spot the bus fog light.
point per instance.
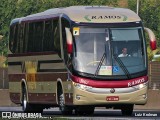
(144, 96)
(78, 97)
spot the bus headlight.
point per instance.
(82, 87)
(140, 86)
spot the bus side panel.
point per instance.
(15, 87)
(42, 98)
(40, 73)
(68, 92)
(43, 90)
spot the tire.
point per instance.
(26, 107)
(127, 110)
(84, 110)
(65, 110)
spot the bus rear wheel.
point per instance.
(26, 107)
(127, 110)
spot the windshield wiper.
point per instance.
(125, 70)
(99, 65)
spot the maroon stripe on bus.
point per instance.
(68, 98)
(31, 54)
(37, 98)
(45, 98)
(16, 77)
(15, 97)
(49, 98)
(109, 83)
(40, 77)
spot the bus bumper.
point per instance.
(84, 97)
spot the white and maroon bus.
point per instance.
(72, 58)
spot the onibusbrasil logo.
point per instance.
(109, 17)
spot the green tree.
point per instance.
(9, 9)
(149, 12)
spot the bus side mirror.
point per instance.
(152, 38)
(69, 41)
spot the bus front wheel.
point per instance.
(65, 110)
(127, 110)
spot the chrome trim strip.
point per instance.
(117, 90)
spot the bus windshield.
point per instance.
(109, 51)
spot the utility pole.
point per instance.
(2, 57)
(1, 37)
(137, 7)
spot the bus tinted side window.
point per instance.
(25, 42)
(42, 36)
(38, 37)
(57, 37)
(18, 39)
(30, 38)
(35, 37)
(13, 38)
(21, 38)
(48, 41)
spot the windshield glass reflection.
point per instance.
(93, 43)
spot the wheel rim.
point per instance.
(61, 102)
(65, 110)
(24, 101)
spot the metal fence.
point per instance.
(153, 73)
(4, 78)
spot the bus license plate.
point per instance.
(112, 98)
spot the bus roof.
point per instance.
(15, 21)
(90, 14)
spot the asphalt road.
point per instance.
(99, 114)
